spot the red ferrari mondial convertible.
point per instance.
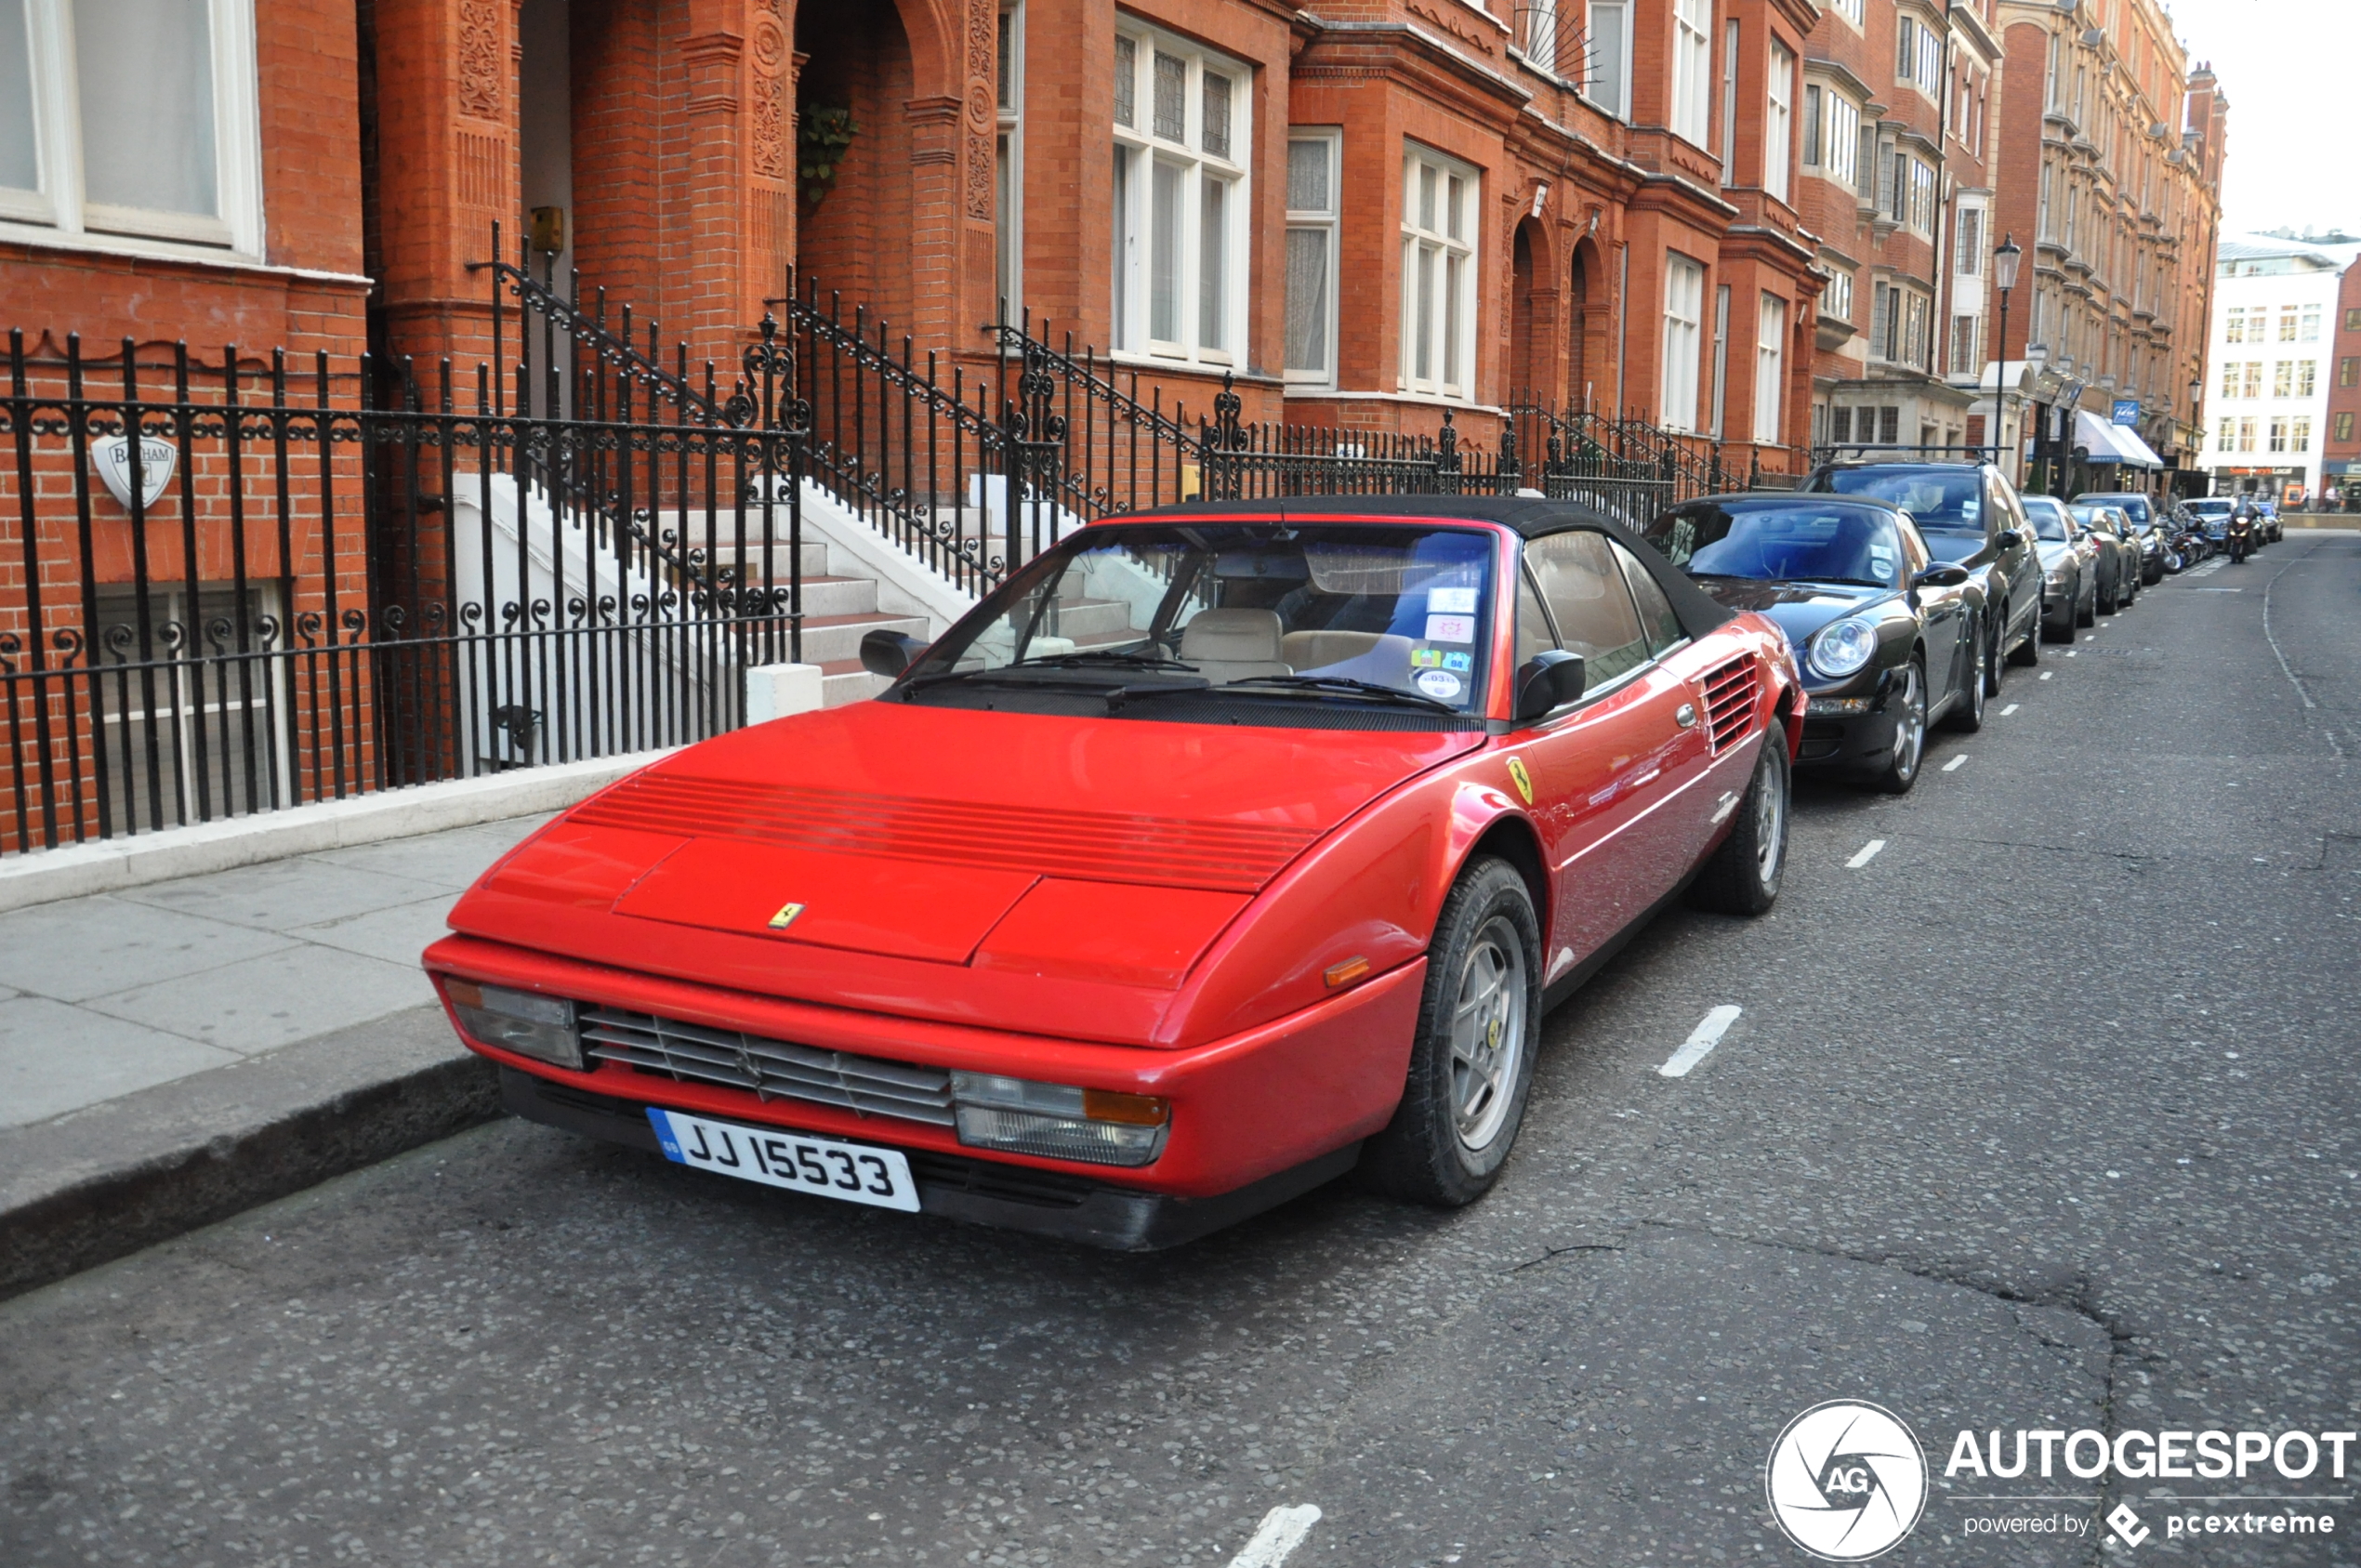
(1222, 849)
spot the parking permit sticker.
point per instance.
(1458, 661)
(1440, 684)
(1428, 658)
(1451, 602)
(1450, 628)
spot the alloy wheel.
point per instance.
(1770, 833)
(1488, 1035)
(1910, 729)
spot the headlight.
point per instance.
(1058, 1121)
(1842, 649)
(540, 1027)
(2055, 575)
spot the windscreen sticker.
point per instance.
(1440, 684)
(1451, 602)
(1427, 658)
(1458, 660)
(1450, 628)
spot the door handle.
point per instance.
(1685, 716)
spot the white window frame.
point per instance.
(1684, 340)
(1610, 63)
(1837, 303)
(1328, 224)
(59, 213)
(1008, 164)
(1433, 314)
(1692, 73)
(1730, 102)
(1134, 234)
(1848, 9)
(1779, 127)
(1770, 367)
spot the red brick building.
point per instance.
(1364, 216)
(1901, 99)
(2340, 469)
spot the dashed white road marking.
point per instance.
(1953, 765)
(2069, 654)
(1868, 852)
(2010, 710)
(1699, 1045)
(2048, 673)
(1282, 1531)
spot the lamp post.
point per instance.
(2004, 277)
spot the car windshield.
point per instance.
(2090, 517)
(1390, 618)
(1804, 538)
(2049, 519)
(1948, 497)
(2211, 508)
(2133, 507)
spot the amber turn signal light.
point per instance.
(1346, 972)
(1132, 1109)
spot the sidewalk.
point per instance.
(177, 1051)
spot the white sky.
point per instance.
(2288, 70)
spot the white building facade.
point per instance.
(2268, 366)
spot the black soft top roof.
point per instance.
(1529, 515)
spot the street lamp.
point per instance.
(2004, 276)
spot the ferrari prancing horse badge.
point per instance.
(1517, 775)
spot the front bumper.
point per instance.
(1245, 1109)
(1846, 742)
(1056, 1203)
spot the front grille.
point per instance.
(1729, 702)
(865, 1085)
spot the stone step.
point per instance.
(839, 596)
(830, 637)
(843, 681)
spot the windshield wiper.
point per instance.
(1258, 686)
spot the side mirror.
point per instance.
(890, 652)
(2009, 539)
(1941, 577)
(1551, 680)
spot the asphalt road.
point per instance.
(2044, 1117)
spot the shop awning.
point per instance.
(2112, 443)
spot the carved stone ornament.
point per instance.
(479, 57)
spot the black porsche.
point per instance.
(1885, 634)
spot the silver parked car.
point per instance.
(2069, 567)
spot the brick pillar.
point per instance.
(447, 119)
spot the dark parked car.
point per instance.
(2069, 568)
(2122, 558)
(2147, 525)
(2211, 513)
(1970, 515)
(1885, 634)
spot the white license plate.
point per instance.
(854, 1172)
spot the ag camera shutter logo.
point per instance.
(1847, 1481)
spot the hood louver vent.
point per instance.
(1089, 845)
(1729, 703)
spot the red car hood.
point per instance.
(1052, 875)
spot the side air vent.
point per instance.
(1729, 703)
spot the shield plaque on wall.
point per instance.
(112, 457)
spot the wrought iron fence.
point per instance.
(240, 584)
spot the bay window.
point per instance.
(1684, 340)
(1441, 202)
(1182, 149)
(1770, 367)
(134, 118)
(1691, 70)
(1311, 256)
(1777, 129)
(1610, 75)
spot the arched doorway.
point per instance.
(1588, 313)
(854, 228)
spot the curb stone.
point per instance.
(100, 1183)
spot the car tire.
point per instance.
(1743, 877)
(2089, 616)
(1471, 1062)
(1901, 770)
(1967, 714)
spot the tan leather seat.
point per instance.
(1383, 657)
(1229, 645)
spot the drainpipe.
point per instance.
(1940, 328)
